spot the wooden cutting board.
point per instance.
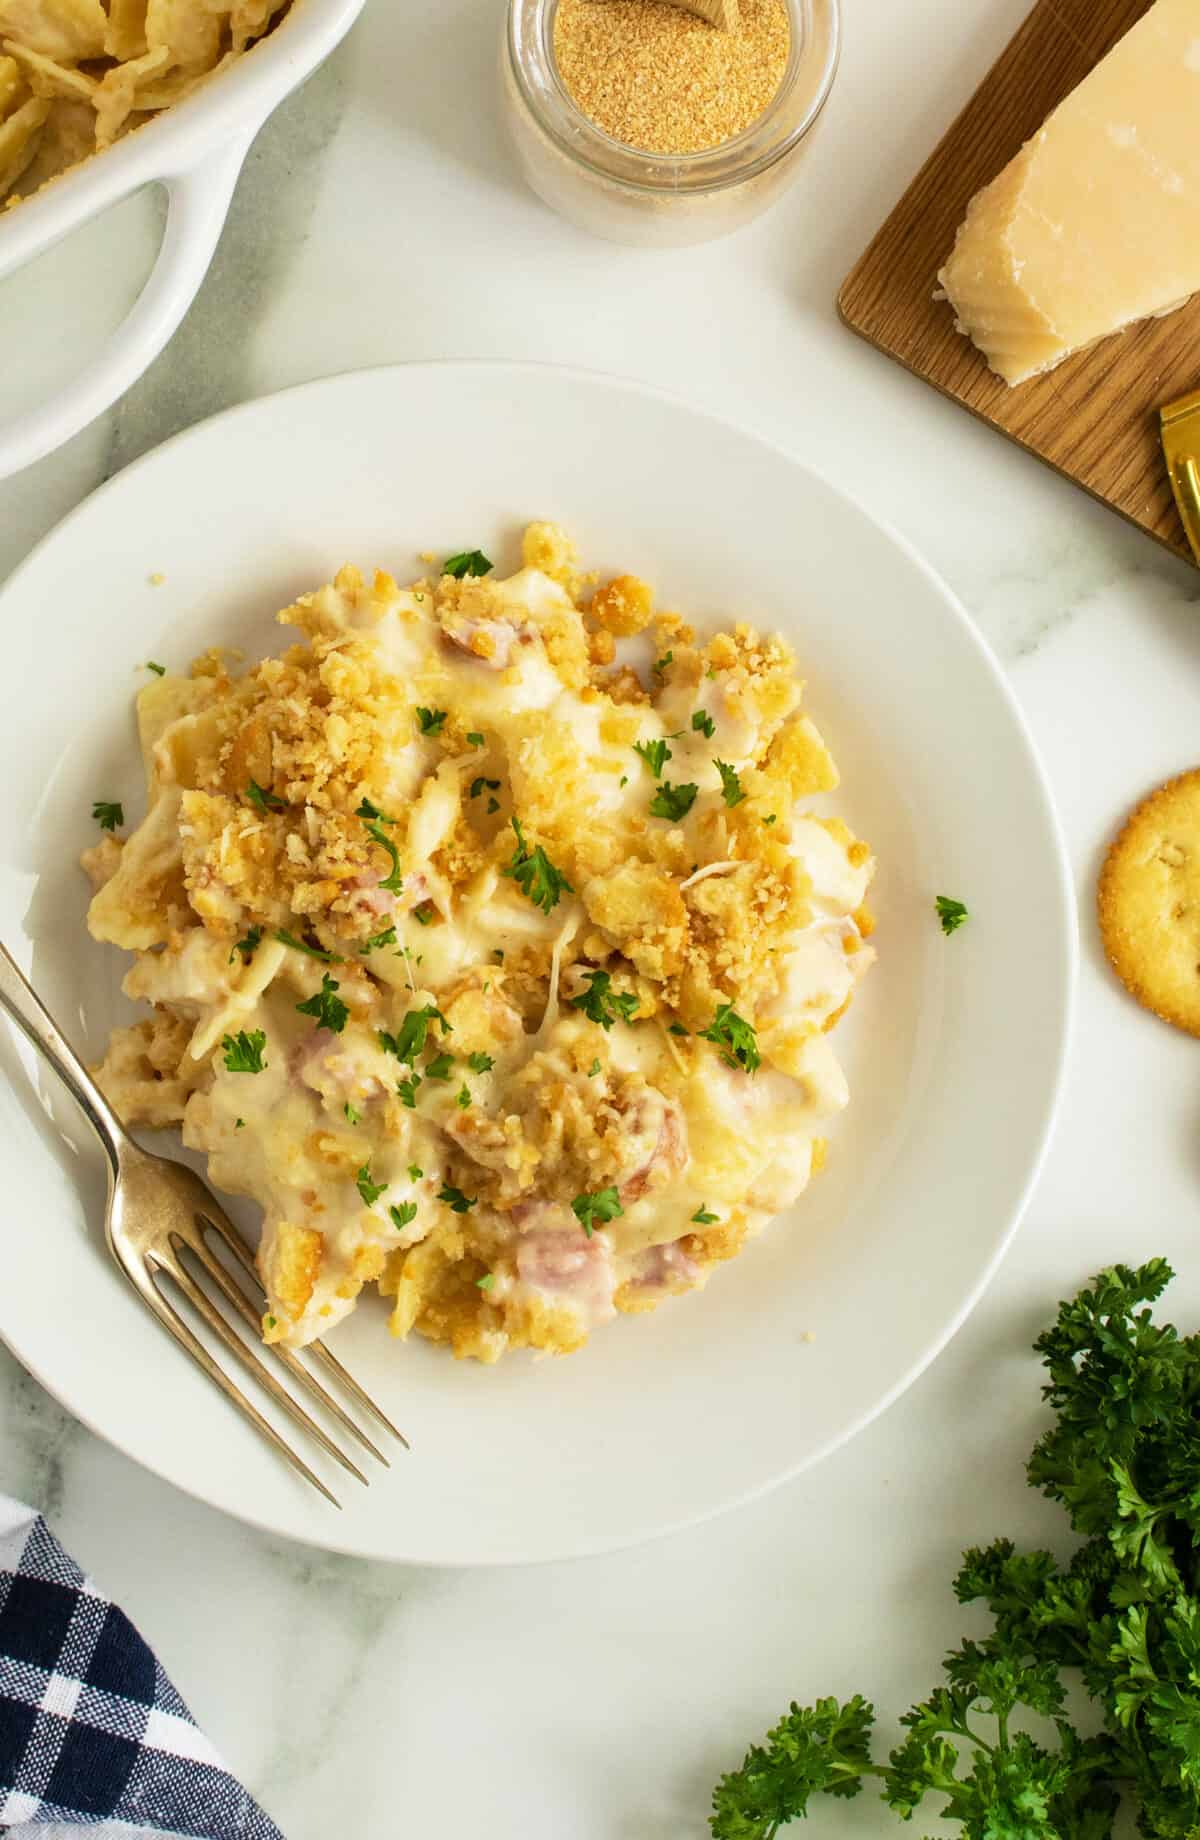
(1095, 418)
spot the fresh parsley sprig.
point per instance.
(301, 945)
(534, 873)
(368, 1189)
(1123, 1615)
(374, 820)
(951, 913)
(673, 802)
(735, 1037)
(413, 1033)
(655, 754)
(731, 785)
(108, 813)
(247, 944)
(262, 798)
(244, 1052)
(467, 562)
(595, 1209)
(326, 1006)
(601, 1003)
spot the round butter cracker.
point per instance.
(1148, 899)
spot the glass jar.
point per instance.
(630, 196)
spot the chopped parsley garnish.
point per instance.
(655, 754)
(486, 1282)
(498, 955)
(244, 1053)
(703, 724)
(413, 1033)
(594, 1069)
(771, 819)
(239, 1124)
(414, 1172)
(373, 944)
(423, 915)
(431, 720)
(660, 664)
(951, 913)
(408, 1091)
(374, 819)
(108, 813)
(677, 1028)
(329, 1010)
(246, 944)
(589, 1210)
(464, 1096)
(480, 1063)
(455, 1200)
(439, 1067)
(601, 1003)
(535, 875)
(271, 1320)
(624, 780)
(703, 1218)
(160, 670)
(403, 1215)
(370, 1191)
(475, 739)
(731, 785)
(262, 798)
(353, 1115)
(467, 562)
(735, 1038)
(301, 945)
(492, 805)
(673, 801)
(477, 786)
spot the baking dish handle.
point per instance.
(198, 202)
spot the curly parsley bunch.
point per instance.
(1123, 1458)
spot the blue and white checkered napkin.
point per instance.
(92, 1733)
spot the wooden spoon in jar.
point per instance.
(723, 14)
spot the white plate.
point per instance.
(954, 1050)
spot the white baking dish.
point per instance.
(195, 150)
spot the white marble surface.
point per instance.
(379, 218)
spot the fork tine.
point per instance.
(172, 1321)
(236, 1297)
(219, 1221)
(237, 1347)
(216, 1218)
(319, 1351)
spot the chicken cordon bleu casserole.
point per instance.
(500, 973)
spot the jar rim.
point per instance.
(786, 120)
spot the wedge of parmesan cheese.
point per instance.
(1096, 222)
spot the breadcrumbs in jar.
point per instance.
(641, 122)
(663, 80)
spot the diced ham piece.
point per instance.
(664, 1268)
(562, 1262)
(486, 642)
(656, 1141)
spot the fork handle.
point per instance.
(26, 1009)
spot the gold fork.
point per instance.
(157, 1221)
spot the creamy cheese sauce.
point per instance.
(446, 994)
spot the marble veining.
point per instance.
(379, 218)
